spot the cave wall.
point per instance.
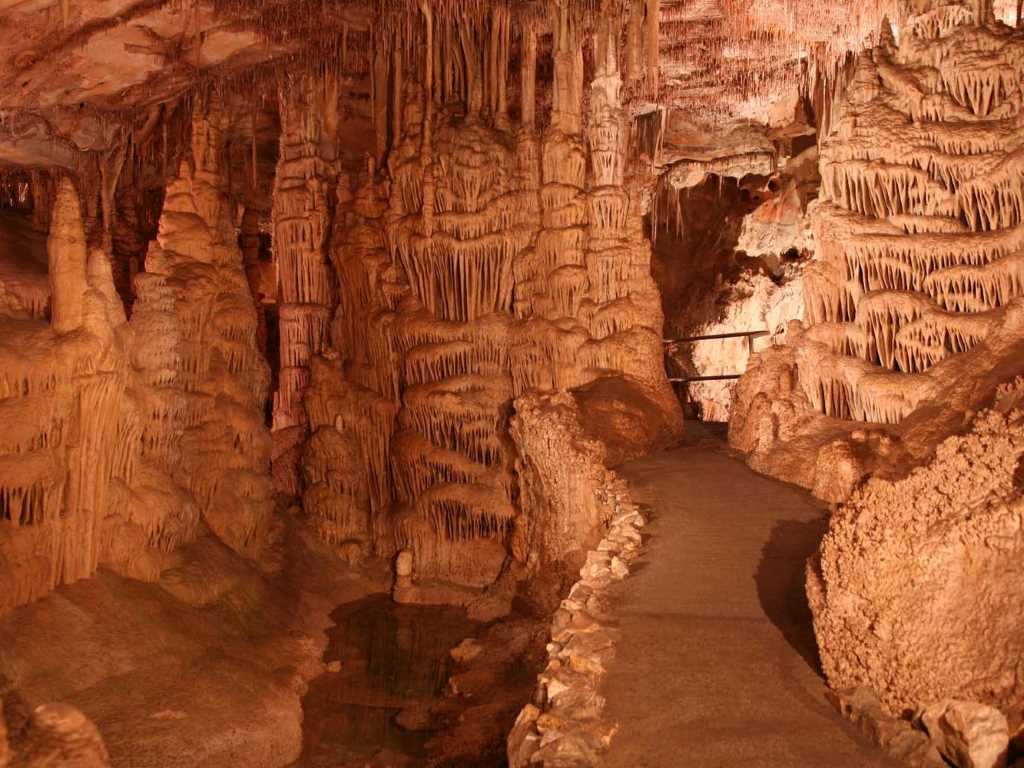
(913, 299)
(502, 252)
(127, 438)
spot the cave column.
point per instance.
(622, 307)
(652, 30)
(502, 15)
(634, 40)
(567, 96)
(301, 222)
(553, 280)
(396, 95)
(380, 96)
(426, 146)
(528, 90)
(474, 85)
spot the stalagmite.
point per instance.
(67, 253)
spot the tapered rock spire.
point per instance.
(67, 260)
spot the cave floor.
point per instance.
(717, 664)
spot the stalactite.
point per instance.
(567, 87)
(921, 226)
(652, 45)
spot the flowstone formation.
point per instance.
(499, 258)
(122, 435)
(918, 229)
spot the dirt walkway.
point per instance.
(716, 665)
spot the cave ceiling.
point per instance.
(75, 73)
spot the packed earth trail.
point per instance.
(716, 663)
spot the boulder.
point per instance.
(915, 591)
(968, 734)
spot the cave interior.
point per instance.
(530, 383)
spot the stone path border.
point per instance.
(563, 727)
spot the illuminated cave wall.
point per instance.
(919, 226)
(121, 436)
(502, 252)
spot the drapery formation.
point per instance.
(502, 252)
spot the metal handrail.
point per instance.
(737, 334)
(708, 378)
(750, 336)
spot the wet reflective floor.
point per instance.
(392, 657)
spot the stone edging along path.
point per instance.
(563, 727)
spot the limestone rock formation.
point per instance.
(498, 260)
(124, 432)
(224, 443)
(913, 592)
(294, 292)
(968, 734)
(916, 232)
(59, 735)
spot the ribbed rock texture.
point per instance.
(917, 229)
(501, 258)
(120, 436)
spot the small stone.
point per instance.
(467, 650)
(896, 736)
(967, 733)
(403, 568)
(523, 740)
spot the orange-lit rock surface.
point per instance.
(304, 301)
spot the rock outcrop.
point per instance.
(122, 434)
(917, 230)
(914, 593)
